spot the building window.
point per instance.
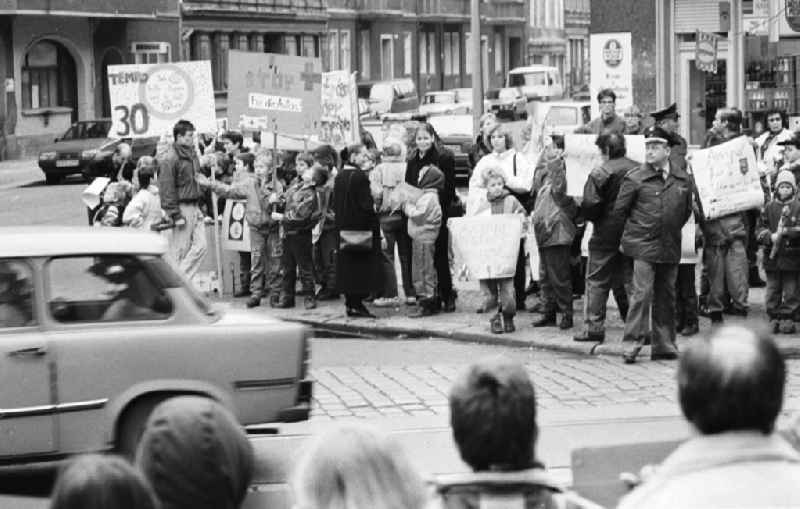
(48, 75)
(407, 53)
(290, 46)
(498, 52)
(423, 54)
(365, 54)
(344, 49)
(333, 50)
(150, 52)
(387, 56)
(432, 57)
(310, 46)
(448, 55)
(452, 54)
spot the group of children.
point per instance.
(133, 203)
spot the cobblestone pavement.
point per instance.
(419, 386)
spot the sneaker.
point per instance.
(508, 323)
(310, 302)
(566, 322)
(386, 302)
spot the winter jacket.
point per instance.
(108, 214)
(505, 203)
(654, 212)
(144, 209)
(326, 203)
(599, 197)
(788, 257)
(554, 214)
(443, 159)
(768, 152)
(425, 216)
(599, 125)
(517, 169)
(256, 192)
(176, 179)
(739, 469)
(303, 209)
(382, 181)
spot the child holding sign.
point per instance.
(498, 201)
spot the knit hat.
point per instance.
(195, 455)
(432, 178)
(786, 177)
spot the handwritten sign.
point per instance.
(488, 245)
(581, 156)
(727, 178)
(339, 109)
(148, 99)
(235, 230)
(267, 87)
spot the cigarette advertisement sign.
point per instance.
(611, 67)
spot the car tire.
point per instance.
(51, 179)
(132, 422)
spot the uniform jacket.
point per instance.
(251, 187)
(425, 216)
(654, 211)
(303, 209)
(735, 469)
(554, 213)
(144, 209)
(599, 196)
(615, 124)
(788, 257)
(176, 178)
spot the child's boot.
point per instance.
(310, 302)
(566, 321)
(508, 323)
(496, 324)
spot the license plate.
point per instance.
(66, 163)
(454, 148)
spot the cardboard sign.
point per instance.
(488, 245)
(727, 178)
(148, 99)
(611, 67)
(339, 109)
(266, 88)
(581, 156)
(235, 230)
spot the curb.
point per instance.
(19, 183)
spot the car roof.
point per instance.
(579, 104)
(532, 68)
(34, 241)
(437, 92)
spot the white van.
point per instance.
(537, 82)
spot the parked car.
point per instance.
(538, 82)
(97, 162)
(392, 96)
(457, 135)
(96, 328)
(447, 102)
(507, 102)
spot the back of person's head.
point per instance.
(350, 152)
(181, 128)
(431, 177)
(732, 381)
(319, 175)
(558, 140)
(326, 156)
(731, 119)
(196, 455)
(234, 137)
(248, 159)
(146, 162)
(611, 144)
(145, 176)
(352, 466)
(493, 416)
(392, 149)
(367, 139)
(102, 482)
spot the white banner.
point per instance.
(339, 109)
(235, 230)
(488, 245)
(611, 67)
(148, 99)
(581, 156)
(727, 178)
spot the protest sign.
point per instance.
(266, 88)
(235, 230)
(611, 67)
(148, 99)
(339, 109)
(488, 245)
(581, 156)
(727, 178)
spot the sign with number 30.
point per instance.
(148, 99)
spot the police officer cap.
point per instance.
(655, 134)
(670, 111)
(794, 141)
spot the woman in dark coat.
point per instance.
(430, 151)
(357, 273)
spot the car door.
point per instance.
(27, 420)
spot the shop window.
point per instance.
(365, 54)
(407, 53)
(387, 56)
(150, 52)
(48, 77)
(498, 52)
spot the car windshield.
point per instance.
(439, 99)
(86, 130)
(562, 115)
(529, 79)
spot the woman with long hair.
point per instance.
(430, 151)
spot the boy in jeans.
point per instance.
(498, 201)
(782, 268)
(424, 222)
(302, 212)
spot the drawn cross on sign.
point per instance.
(309, 77)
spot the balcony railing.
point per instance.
(257, 6)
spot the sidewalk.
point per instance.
(466, 325)
(19, 172)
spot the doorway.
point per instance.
(112, 56)
(707, 94)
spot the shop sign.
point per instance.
(793, 14)
(706, 52)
